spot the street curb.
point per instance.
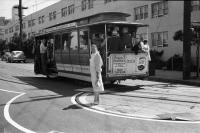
(185, 82)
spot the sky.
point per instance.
(33, 6)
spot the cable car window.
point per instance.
(73, 41)
(83, 41)
(57, 42)
(65, 42)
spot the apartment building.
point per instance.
(163, 17)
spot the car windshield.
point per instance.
(7, 53)
(17, 52)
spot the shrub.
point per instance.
(175, 63)
(156, 59)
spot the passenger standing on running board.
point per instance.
(43, 53)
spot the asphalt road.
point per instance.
(32, 103)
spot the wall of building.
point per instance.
(171, 22)
(1, 33)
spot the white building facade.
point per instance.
(163, 17)
(15, 15)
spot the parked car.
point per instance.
(17, 56)
(5, 56)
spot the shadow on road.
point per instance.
(72, 107)
(66, 87)
(62, 86)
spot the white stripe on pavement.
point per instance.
(112, 113)
(7, 114)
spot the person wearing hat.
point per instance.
(114, 42)
(126, 38)
(146, 48)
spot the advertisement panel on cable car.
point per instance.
(127, 64)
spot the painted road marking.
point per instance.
(7, 114)
(55, 131)
(112, 113)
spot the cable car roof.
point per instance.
(106, 18)
(118, 23)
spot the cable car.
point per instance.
(71, 42)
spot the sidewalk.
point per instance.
(174, 77)
(138, 99)
(142, 99)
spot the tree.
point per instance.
(2, 46)
(15, 42)
(28, 46)
(178, 36)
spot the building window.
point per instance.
(6, 31)
(159, 39)
(43, 19)
(195, 5)
(24, 25)
(71, 9)
(165, 39)
(50, 16)
(64, 12)
(159, 9)
(29, 35)
(90, 4)
(107, 1)
(141, 12)
(54, 15)
(29, 23)
(33, 22)
(83, 5)
(87, 4)
(16, 27)
(10, 29)
(39, 20)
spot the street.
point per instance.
(32, 103)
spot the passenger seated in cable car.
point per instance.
(97, 40)
(114, 42)
(126, 39)
(137, 48)
(43, 54)
(51, 64)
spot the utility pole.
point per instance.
(20, 24)
(20, 8)
(186, 40)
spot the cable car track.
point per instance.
(145, 93)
